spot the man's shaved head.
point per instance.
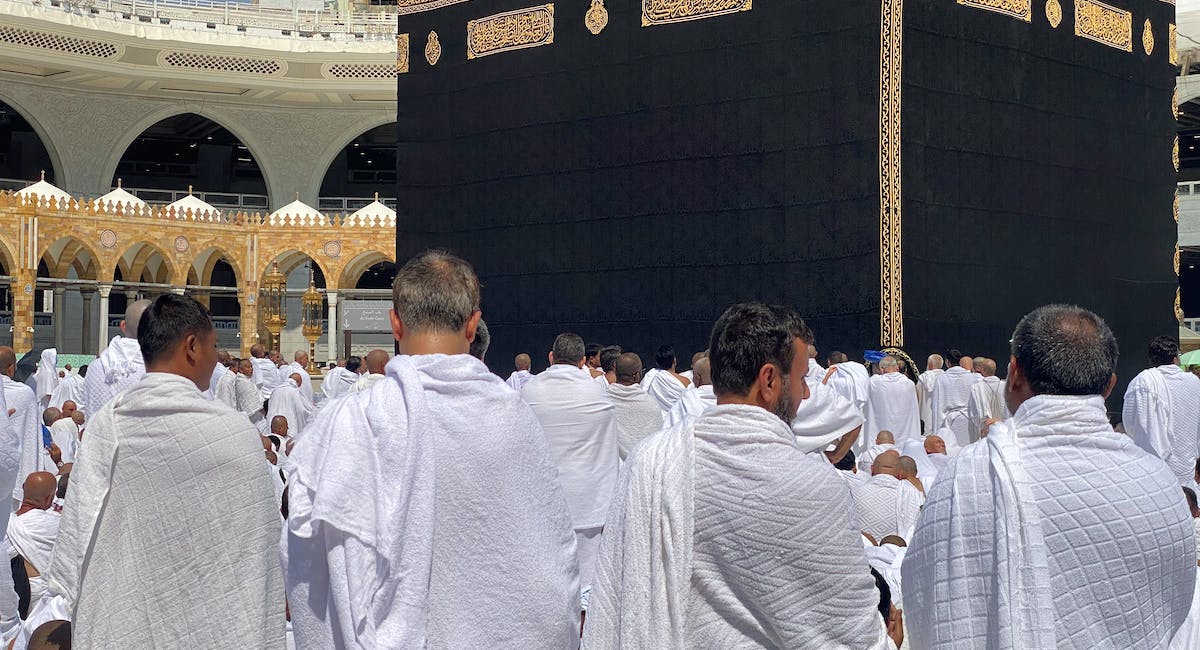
(907, 466)
(886, 463)
(376, 361)
(8, 360)
(812, 351)
(51, 415)
(698, 356)
(51, 635)
(935, 362)
(279, 425)
(224, 358)
(68, 408)
(935, 445)
(78, 418)
(246, 367)
(885, 438)
(985, 367)
(523, 362)
(39, 489)
(133, 317)
(258, 350)
(628, 369)
(702, 372)
(966, 363)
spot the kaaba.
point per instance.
(914, 174)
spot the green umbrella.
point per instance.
(1190, 359)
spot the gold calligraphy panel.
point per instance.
(1021, 9)
(401, 53)
(1104, 24)
(1173, 43)
(512, 30)
(662, 12)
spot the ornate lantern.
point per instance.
(273, 303)
(311, 310)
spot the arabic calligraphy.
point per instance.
(662, 12)
(513, 30)
(1104, 24)
(1020, 9)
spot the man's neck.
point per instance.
(434, 343)
(26, 506)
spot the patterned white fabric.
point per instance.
(19, 397)
(337, 382)
(985, 402)
(379, 559)
(948, 407)
(65, 435)
(690, 405)
(687, 562)
(1188, 636)
(518, 379)
(364, 382)
(892, 406)
(581, 428)
(306, 388)
(1162, 415)
(266, 376)
(638, 415)
(24, 435)
(664, 387)
(116, 370)
(868, 457)
(885, 505)
(286, 400)
(852, 381)
(1052, 532)
(823, 418)
(193, 572)
(925, 396)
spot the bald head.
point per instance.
(51, 635)
(812, 351)
(133, 317)
(279, 425)
(885, 437)
(985, 367)
(935, 362)
(377, 360)
(8, 361)
(523, 362)
(78, 418)
(966, 363)
(51, 415)
(628, 369)
(887, 463)
(300, 357)
(246, 367)
(698, 356)
(907, 466)
(258, 350)
(39, 489)
(224, 358)
(935, 445)
(702, 372)
(68, 408)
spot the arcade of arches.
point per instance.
(55, 256)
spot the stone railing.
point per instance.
(96, 207)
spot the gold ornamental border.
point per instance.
(665, 12)
(1104, 24)
(401, 53)
(891, 278)
(1019, 9)
(511, 30)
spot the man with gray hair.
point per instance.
(119, 366)
(949, 400)
(892, 404)
(483, 339)
(457, 534)
(1005, 553)
(638, 414)
(934, 367)
(986, 401)
(581, 427)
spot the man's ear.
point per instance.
(1112, 382)
(397, 325)
(473, 325)
(550, 357)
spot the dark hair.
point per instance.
(608, 357)
(665, 357)
(885, 596)
(592, 349)
(1065, 350)
(1163, 350)
(64, 481)
(794, 323)
(167, 322)
(846, 463)
(568, 348)
(744, 339)
(1190, 495)
(836, 357)
(83, 370)
(353, 363)
(275, 441)
(483, 339)
(435, 292)
(954, 356)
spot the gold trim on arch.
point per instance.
(891, 289)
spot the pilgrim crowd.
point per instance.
(170, 495)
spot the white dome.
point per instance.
(120, 197)
(194, 204)
(45, 191)
(375, 210)
(297, 209)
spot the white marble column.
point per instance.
(332, 325)
(102, 330)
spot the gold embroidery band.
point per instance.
(401, 53)
(1104, 24)
(1021, 9)
(891, 289)
(512, 30)
(662, 12)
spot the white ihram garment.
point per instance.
(65, 435)
(686, 563)
(306, 389)
(868, 457)
(1050, 493)
(32, 536)
(949, 404)
(337, 382)
(1162, 415)
(19, 397)
(925, 397)
(286, 400)
(364, 382)
(690, 405)
(425, 513)
(45, 379)
(218, 546)
(70, 388)
(985, 402)
(118, 368)
(266, 376)
(852, 381)
(664, 387)
(638, 415)
(518, 379)
(825, 417)
(24, 436)
(892, 406)
(886, 506)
